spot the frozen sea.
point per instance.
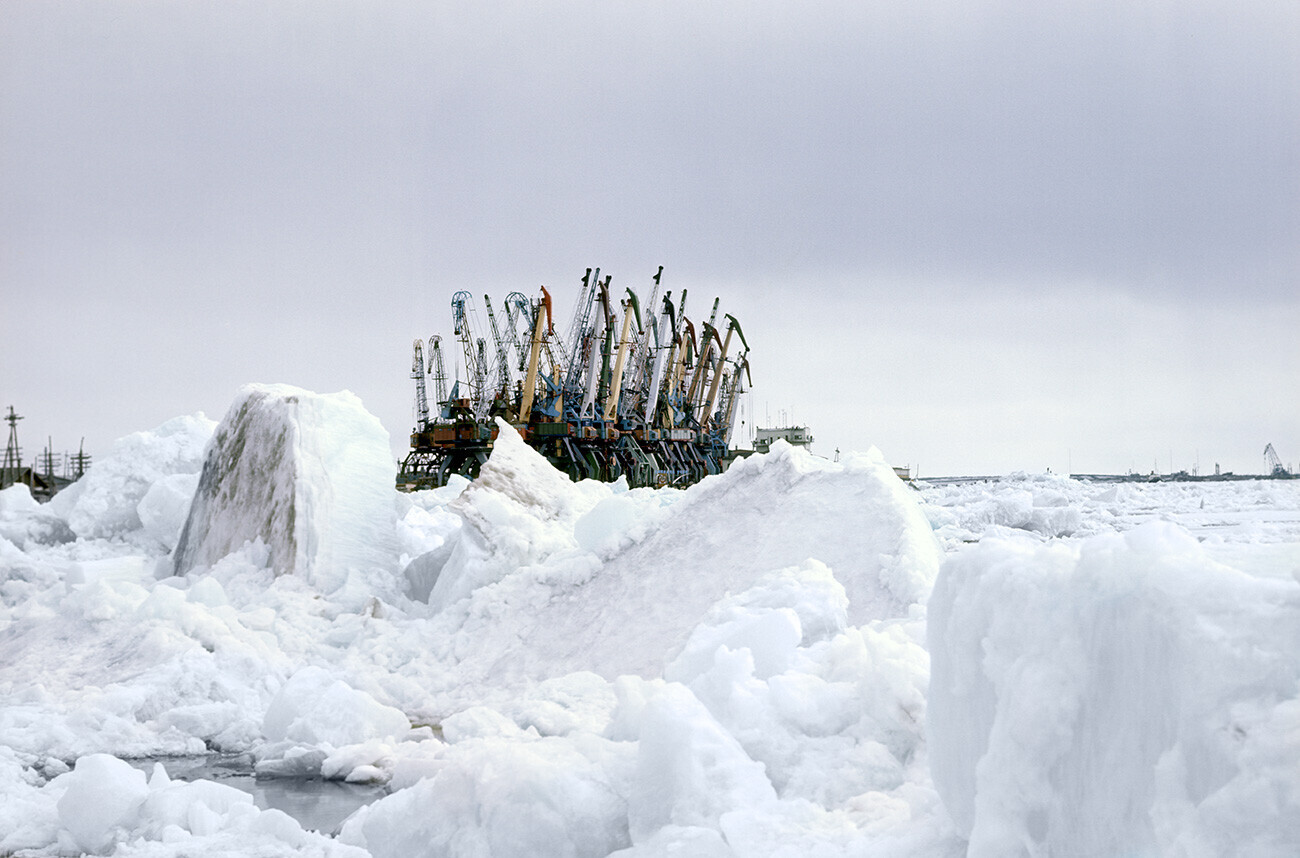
(794, 658)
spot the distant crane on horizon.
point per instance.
(1274, 462)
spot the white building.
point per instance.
(796, 435)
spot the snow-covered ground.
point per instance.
(794, 658)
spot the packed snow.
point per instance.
(796, 657)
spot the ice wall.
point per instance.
(1115, 698)
(310, 475)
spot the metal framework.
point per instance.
(632, 394)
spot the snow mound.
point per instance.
(104, 502)
(519, 511)
(507, 799)
(1128, 695)
(811, 752)
(312, 715)
(104, 794)
(314, 707)
(24, 522)
(310, 476)
(771, 619)
(690, 771)
(831, 712)
(766, 513)
(105, 806)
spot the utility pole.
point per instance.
(13, 453)
(80, 461)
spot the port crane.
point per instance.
(630, 391)
(1274, 462)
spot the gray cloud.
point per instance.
(293, 191)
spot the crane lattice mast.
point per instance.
(437, 370)
(421, 398)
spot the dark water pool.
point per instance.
(316, 804)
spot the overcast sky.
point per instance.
(982, 236)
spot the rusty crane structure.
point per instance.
(631, 389)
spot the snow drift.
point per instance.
(308, 475)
